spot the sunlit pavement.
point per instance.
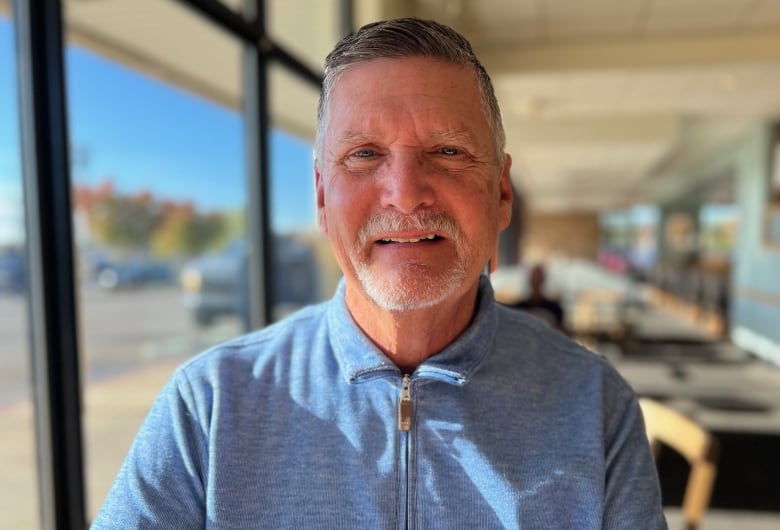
(131, 342)
(119, 404)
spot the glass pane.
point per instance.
(306, 29)
(18, 480)
(306, 271)
(159, 208)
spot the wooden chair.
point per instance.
(666, 426)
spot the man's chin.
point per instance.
(399, 304)
(403, 293)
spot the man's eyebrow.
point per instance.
(356, 137)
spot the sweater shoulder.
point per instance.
(522, 336)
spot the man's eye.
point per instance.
(449, 151)
(364, 153)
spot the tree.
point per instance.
(187, 231)
(142, 223)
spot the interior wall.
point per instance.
(573, 235)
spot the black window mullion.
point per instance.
(231, 22)
(257, 147)
(50, 264)
(346, 17)
(251, 29)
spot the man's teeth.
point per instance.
(412, 240)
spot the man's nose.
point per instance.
(405, 184)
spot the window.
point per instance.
(718, 234)
(305, 269)
(159, 200)
(19, 501)
(160, 207)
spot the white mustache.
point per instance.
(429, 221)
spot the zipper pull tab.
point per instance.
(405, 405)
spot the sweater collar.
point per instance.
(360, 359)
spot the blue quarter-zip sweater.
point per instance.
(306, 424)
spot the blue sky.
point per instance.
(145, 135)
(10, 185)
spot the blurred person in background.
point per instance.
(546, 309)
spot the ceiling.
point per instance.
(605, 102)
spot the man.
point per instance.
(548, 310)
(411, 399)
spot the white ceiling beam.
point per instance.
(366, 11)
(581, 202)
(635, 53)
(594, 130)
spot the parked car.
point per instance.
(216, 284)
(133, 273)
(12, 270)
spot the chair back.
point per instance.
(666, 426)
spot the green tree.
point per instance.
(126, 222)
(185, 231)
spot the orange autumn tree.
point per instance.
(141, 222)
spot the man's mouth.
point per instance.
(429, 237)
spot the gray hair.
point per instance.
(407, 37)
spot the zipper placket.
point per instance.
(405, 404)
(404, 426)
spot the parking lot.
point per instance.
(121, 331)
(131, 341)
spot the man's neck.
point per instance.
(408, 338)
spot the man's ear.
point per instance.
(505, 194)
(319, 187)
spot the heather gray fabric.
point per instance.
(295, 426)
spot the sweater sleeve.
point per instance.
(632, 492)
(161, 483)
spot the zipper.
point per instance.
(405, 404)
(404, 426)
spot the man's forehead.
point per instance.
(354, 136)
(379, 65)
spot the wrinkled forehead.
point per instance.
(430, 69)
(413, 83)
